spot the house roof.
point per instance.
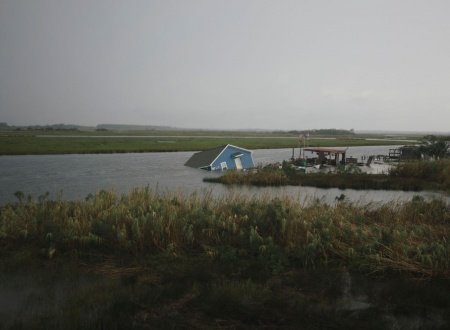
(204, 158)
(207, 157)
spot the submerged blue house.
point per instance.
(227, 157)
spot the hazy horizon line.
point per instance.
(166, 127)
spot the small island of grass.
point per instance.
(414, 176)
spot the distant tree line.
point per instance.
(47, 128)
(324, 131)
(55, 127)
(119, 127)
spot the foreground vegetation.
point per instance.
(67, 142)
(151, 260)
(413, 175)
(145, 222)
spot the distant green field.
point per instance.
(70, 142)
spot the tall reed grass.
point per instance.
(411, 237)
(261, 177)
(436, 171)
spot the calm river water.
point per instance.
(75, 176)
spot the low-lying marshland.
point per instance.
(144, 258)
(414, 175)
(76, 142)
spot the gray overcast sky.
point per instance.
(227, 64)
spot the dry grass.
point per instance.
(410, 237)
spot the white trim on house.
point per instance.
(239, 148)
(237, 155)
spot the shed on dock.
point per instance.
(322, 154)
(226, 157)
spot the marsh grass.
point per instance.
(410, 237)
(412, 176)
(47, 142)
(259, 177)
(437, 171)
(150, 260)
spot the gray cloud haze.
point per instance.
(227, 64)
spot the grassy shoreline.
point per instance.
(148, 260)
(317, 234)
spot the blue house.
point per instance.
(227, 157)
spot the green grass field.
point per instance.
(70, 142)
